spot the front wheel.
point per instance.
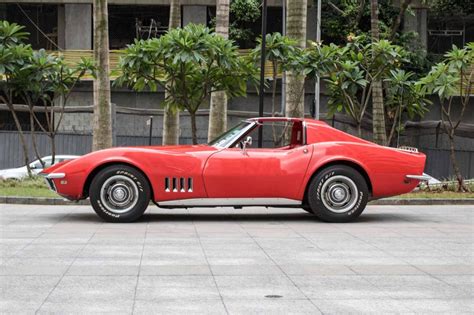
(338, 194)
(119, 193)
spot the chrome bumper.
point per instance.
(419, 177)
(49, 179)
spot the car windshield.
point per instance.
(228, 137)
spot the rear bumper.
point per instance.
(418, 177)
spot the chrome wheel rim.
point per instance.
(339, 194)
(119, 194)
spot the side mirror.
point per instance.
(246, 143)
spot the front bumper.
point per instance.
(49, 179)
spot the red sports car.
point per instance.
(297, 163)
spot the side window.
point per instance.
(276, 134)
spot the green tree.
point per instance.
(282, 52)
(351, 72)
(296, 30)
(378, 113)
(452, 81)
(171, 116)
(13, 55)
(189, 63)
(102, 122)
(404, 99)
(243, 14)
(218, 104)
(46, 79)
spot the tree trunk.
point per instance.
(102, 122)
(171, 117)
(26, 158)
(170, 127)
(378, 113)
(398, 21)
(193, 127)
(296, 30)
(218, 105)
(457, 172)
(33, 138)
(52, 138)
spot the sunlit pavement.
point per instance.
(63, 259)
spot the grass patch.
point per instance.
(29, 187)
(437, 195)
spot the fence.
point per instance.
(438, 162)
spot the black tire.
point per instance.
(338, 193)
(119, 194)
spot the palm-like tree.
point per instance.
(102, 122)
(378, 113)
(171, 116)
(296, 29)
(218, 106)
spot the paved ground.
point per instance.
(394, 259)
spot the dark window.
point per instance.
(127, 22)
(45, 16)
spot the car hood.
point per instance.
(168, 149)
(178, 148)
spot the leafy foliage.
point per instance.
(403, 100)
(243, 15)
(282, 53)
(452, 80)
(189, 63)
(36, 77)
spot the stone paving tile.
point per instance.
(361, 305)
(257, 287)
(398, 259)
(179, 306)
(77, 289)
(270, 306)
(36, 266)
(337, 287)
(24, 294)
(173, 287)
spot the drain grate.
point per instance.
(273, 296)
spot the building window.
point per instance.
(128, 22)
(45, 16)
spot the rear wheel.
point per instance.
(119, 193)
(338, 193)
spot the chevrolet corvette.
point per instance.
(292, 162)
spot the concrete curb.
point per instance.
(421, 202)
(380, 202)
(41, 201)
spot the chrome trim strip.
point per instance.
(304, 132)
(55, 175)
(419, 177)
(203, 202)
(50, 184)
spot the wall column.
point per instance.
(196, 14)
(418, 23)
(75, 26)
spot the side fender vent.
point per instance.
(178, 184)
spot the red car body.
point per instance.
(187, 173)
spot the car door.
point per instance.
(257, 172)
